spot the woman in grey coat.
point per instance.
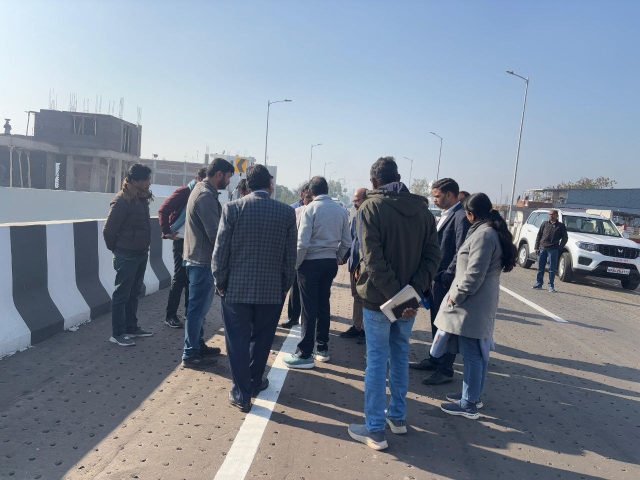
(469, 310)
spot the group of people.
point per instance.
(255, 250)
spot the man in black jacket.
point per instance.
(552, 236)
(452, 231)
(127, 233)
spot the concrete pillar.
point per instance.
(118, 175)
(95, 182)
(69, 174)
(50, 172)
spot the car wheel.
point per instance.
(565, 270)
(523, 256)
(629, 285)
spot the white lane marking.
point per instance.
(240, 457)
(553, 316)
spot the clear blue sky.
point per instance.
(367, 79)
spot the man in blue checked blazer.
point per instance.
(253, 266)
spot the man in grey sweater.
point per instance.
(201, 230)
(324, 238)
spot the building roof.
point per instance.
(624, 200)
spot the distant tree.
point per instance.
(584, 182)
(284, 195)
(338, 190)
(422, 186)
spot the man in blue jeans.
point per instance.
(551, 237)
(201, 230)
(399, 247)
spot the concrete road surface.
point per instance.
(561, 401)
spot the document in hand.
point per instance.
(405, 298)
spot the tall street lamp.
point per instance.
(331, 175)
(311, 158)
(515, 172)
(439, 155)
(266, 137)
(324, 174)
(410, 171)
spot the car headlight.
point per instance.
(591, 247)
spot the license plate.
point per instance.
(621, 271)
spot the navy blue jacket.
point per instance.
(354, 253)
(451, 236)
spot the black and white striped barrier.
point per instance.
(55, 276)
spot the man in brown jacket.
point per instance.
(127, 233)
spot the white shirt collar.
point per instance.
(451, 207)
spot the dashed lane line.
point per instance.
(243, 450)
(553, 316)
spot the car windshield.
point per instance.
(594, 226)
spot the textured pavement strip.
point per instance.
(561, 401)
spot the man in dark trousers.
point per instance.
(552, 236)
(127, 233)
(203, 217)
(323, 242)
(452, 231)
(253, 266)
(171, 216)
(357, 329)
(294, 308)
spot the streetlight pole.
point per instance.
(439, 155)
(266, 137)
(324, 174)
(331, 175)
(410, 171)
(515, 172)
(311, 158)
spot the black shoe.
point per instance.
(198, 362)
(263, 386)
(207, 351)
(437, 379)
(173, 322)
(351, 333)
(138, 332)
(246, 408)
(425, 364)
(289, 324)
(362, 338)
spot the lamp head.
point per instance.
(510, 72)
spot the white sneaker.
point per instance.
(123, 341)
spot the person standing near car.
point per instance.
(127, 233)
(552, 236)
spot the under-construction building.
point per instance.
(78, 151)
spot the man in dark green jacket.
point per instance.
(399, 247)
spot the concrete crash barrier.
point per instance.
(55, 276)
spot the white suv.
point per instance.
(595, 248)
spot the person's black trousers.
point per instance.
(293, 307)
(248, 331)
(315, 278)
(445, 362)
(179, 281)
